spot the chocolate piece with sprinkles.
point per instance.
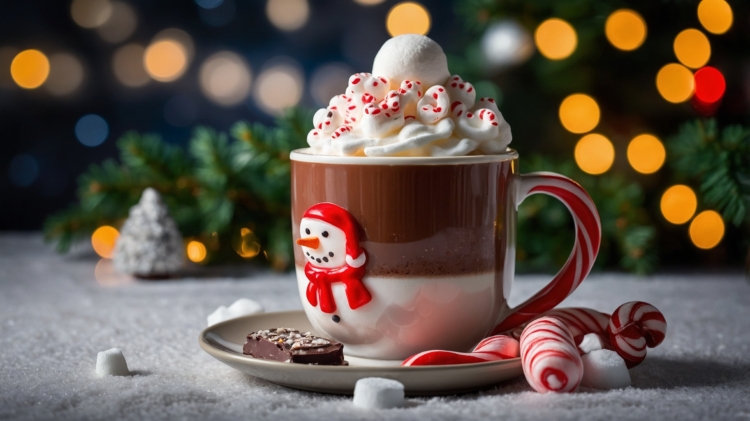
(292, 346)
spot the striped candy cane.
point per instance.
(633, 327)
(580, 320)
(494, 348)
(549, 356)
(585, 249)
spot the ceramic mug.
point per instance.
(399, 255)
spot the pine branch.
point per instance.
(720, 164)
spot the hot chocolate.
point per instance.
(415, 220)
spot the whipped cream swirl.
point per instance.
(371, 119)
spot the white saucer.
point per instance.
(224, 341)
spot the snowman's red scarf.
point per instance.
(319, 288)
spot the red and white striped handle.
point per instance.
(586, 247)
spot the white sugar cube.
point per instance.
(604, 369)
(241, 307)
(591, 342)
(111, 363)
(378, 393)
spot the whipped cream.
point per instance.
(409, 105)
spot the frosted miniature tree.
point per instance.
(150, 245)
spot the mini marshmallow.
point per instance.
(241, 307)
(378, 393)
(111, 363)
(591, 342)
(604, 369)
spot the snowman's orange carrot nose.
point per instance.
(312, 242)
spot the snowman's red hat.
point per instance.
(340, 218)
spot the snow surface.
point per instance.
(55, 317)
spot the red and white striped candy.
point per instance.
(585, 248)
(494, 348)
(580, 320)
(549, 356)
(633, 327)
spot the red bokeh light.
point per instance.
(709, 85)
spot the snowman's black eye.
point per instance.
(325, 234)
(330, 253)
(307, 231)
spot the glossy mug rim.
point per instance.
(305, 155)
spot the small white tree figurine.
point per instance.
(150, 245)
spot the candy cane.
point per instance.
(580, 320)
(633, 327)
(549, 357)
(494, 348)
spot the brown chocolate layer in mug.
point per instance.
(416, 220)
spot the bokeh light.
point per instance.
(278, 87)
(209, 4)
(127, 65)
(706, 230)
(369, 2)
(556, 39)
(196, 251)
(408, 18)
(23, 170)
(692, 48)
(675, 83)
(90, 13)
(288, 15)
(65, 76)
(103, 240)
(678, 204)
(715, 15)
(329, 80)
(594, 154)
(165, 60)
(579, 113)
(646, 153)
(91, 130)
(179, 36)
(709, 84)
(225, 78)
(29, 69)
(120, 25)
(246, 244)
(625, 29)
(506, 43)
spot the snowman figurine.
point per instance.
(330, 242)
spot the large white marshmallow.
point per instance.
(111, 363)
(378, 393)
(241, 307)
(413, 57)
(604, 369)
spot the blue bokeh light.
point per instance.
(209, 4)
(23, 170)
(92, 130)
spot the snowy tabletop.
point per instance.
(58, 312)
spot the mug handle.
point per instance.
(586, 247)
